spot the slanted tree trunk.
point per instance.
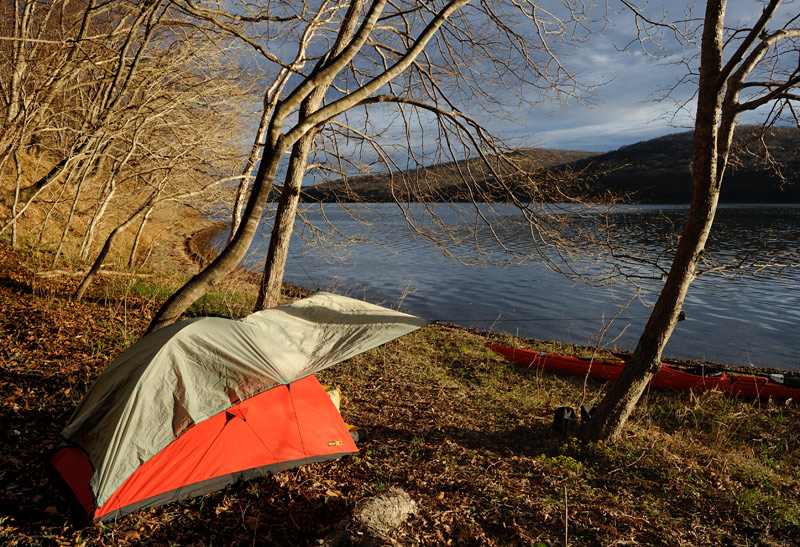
(717, 110)
(138, 239)
(18, 179)
(244, 184)
(109, 243)
(49, 214)
(233, 252)
(23, 13)
(108, 191)
(269, 291)
(98, 262)
(75, 200)
(275, 265)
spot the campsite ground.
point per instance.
(466, 434)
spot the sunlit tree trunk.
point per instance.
(138, 239)
(272, 278)
(233, 252)
(244, 185)
(108, 245)
(23, 12)
(717, 110)
(275, 265)
(18, 180)
(109, 189)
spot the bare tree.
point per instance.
(279, 139)
(376, 48)
(742, 71)
(69, 78)
(137, 113)
(252, 26)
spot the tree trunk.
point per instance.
(18, 180)
(49, 215)
(138, 239)
(269, 291)
(233, 253)
(105, 198)
(84, 174)
(98, 263)
(22, 21)
(277, 142)
(615, 408)
(244, 184)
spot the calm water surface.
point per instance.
(749, 319)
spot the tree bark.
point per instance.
(233, 253)
(98, 263)
(102, 205)
(244, 184)
(22, 21)
(138, 239)
(611, 415)
(270, 287)
(18, 179)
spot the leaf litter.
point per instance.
(465, 434)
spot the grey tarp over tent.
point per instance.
(187, 372)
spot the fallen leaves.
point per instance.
(467, 437)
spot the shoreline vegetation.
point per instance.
(467, 435)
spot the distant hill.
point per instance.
(658, 170)
(443, 182)
(655, 171)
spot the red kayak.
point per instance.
(697, 378)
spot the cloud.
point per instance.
(628, 104)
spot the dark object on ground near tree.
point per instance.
(565, 421)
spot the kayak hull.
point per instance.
(669, 376)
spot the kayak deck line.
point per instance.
(670, 376)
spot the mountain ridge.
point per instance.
(652, 171)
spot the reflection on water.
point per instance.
(738, 319)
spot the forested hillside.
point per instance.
(452, 181)
(764, 168)
(114, 125)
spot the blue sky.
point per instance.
(623, 109)
(630, 107)
(627, 107)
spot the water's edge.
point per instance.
(749, 323)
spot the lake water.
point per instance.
(751, 319)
